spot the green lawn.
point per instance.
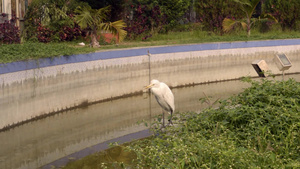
(30, 50)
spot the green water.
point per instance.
(110, 158)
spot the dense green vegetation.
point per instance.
(63, 23)
(258, 128)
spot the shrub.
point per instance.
(258, 128)
(69, 33)
(53, 18)
(286, 12)
(212, 13)
(142, 19)
(148, 17)
(44, 34)
(9, 32)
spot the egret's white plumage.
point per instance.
(163, 96)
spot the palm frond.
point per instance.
(229, 24)
(244, 25)
(243, 2)
(101, 14)
(269, 17)
(252, 7)
(116, 28)
(84, 17)
(248, 6)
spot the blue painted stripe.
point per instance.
(45, 62)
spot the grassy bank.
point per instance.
(29, 50)
(258, 128)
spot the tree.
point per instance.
(94, 20)
(116, 7)
(248, 7)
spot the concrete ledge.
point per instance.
(37, 88)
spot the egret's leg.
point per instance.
(170, 120)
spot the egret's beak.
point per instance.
(149, 86)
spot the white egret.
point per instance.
(163, 96)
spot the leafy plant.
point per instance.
(174, 10)
(94, 21)
(143, 19)
(9, 33)
(212, 13)
(258, 128)
(44, 34)
(50, 15)
(248, 7)
(286, 12)
(69, 33)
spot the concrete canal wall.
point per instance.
(35, 88)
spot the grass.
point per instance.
(27, 51)
(30, 50)
(258, 128)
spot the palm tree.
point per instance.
(248, 7)
(93, 19)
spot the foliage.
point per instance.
(54, 17)
(248, 7)
(116, 7)
(116, 28)
(44, 34)
(69, 33)
(286, 12)
(90, 18)
(212, 13)
(9, 33)
(144, 19)
(174, 10)
(258, 128)
(94, 21)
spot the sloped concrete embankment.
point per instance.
(38, 88)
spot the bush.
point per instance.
(259, 128)
(69, 33)
(44, 34)
(9, 33)
(57, 22)
(212, 13)
(142, 19)
(286, 12)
